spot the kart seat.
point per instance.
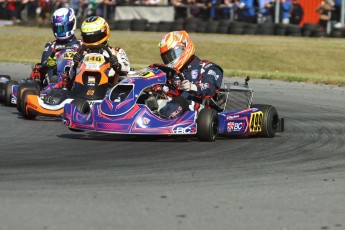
(217, 102)
(151, 102)
(161, 103)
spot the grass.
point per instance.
(316, 60)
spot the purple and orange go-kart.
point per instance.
(131, 107)
(14, 91)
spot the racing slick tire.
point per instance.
(8, 91)
(27, 113)
(3, 80)
(22, 88)
(270, 120)
(83, 106)
(208, 125)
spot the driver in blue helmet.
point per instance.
(63, 23)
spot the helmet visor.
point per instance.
(60, 29)
(171, 55)
(93, 37)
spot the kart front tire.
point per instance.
(21, 89)
(208, 125)
(8, 92)
(270, 120)
(27, 113)
(83, 106)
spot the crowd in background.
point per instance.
(17, 10)
(251, 11)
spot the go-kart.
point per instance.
(131, 107)
(91, 84)
(13, 91)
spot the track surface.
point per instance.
(52, 178)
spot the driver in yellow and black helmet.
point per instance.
(95, 31)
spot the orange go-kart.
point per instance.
(91, 83)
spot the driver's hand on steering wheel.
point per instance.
(51, 62)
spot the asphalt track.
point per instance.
(52, 178)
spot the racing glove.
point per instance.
(188, 86)
(77, 58)
(114, 63)
(51, 62)
(35, 73)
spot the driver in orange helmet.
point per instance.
(202, 78)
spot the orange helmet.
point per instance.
(95, 31)
(176, 49)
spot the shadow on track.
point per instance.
(142, 138)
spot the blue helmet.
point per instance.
(64, 23)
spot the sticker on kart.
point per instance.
(256, 122)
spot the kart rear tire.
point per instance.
(27, 113)
(3, 80)
(83, 106)
(23, 87)
(208, 125)
(270, 120)
(8, 92)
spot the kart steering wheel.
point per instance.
(170, 71)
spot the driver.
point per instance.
(202, 78)
(95, 31)
(63, 23)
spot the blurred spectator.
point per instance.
(44, 12)
(325, 10)
(296, 13)
(198, 9)
(3, 9)
(88, 8)
(248, 10)
(151, 2)
(12, 10)
(270, 9)
(213, 6)
(264, 14)
(336, 15)
(75, 6)
(61, 4)
(337, 11)
(284, 10)
(285, 6)
(181, 7)
(106, 9)
(225, 9)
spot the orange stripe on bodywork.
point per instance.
(32, 103)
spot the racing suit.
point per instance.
(113, 73)
(207, 77)
(50, 48)
(41, 71)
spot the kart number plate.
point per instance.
(94, 59)
(256, 122)
(68, 55)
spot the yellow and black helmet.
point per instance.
(95, 31)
